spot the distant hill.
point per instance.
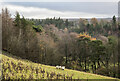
(76, 19)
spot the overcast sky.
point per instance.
(59, 0)
(67, 9)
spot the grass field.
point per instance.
(16, 68)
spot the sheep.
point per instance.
(60, 67)
(57, 67)
(63, 67)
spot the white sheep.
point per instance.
(58, 67)
(63, 67)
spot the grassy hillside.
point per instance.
(16, 68)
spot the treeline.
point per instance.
(92, 26)
(47, 44)
(58, 22)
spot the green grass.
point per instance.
(16, 68)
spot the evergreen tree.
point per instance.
(17, 20)
(23, 22)
(66, 23)
(114, 25)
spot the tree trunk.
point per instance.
(118, 65)
(95, 66)
(107, 66)
(85, 64)
(98, 64)
(114, 65)
(66, 54)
